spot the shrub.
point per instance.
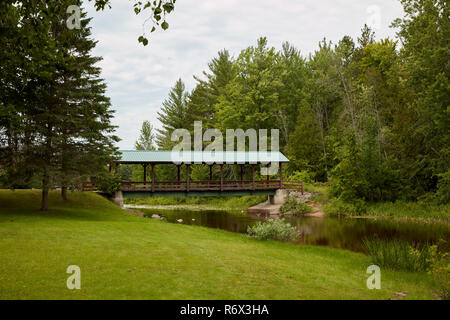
(108, 183)
(302, 175)
(295, 207)
(443, 191)
(398, 254)
(273, 229)
(342, 208)
(440, 271)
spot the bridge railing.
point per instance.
(226, 185)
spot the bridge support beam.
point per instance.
(242, 174)
(281, 175)
(153, 177)
(145, 175)
(253, 177)
(187, 176)
(178, 174)
(221, 177)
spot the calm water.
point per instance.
(343, 233)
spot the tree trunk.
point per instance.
(45, 183)
(64, 192)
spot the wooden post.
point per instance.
(242, 174)
(187, 177)
(109, 167)
(281, 175)
(253, 177)
(153, 177)
(178, 175)
(145, 175)
(221, 177)
(267, 176)
(210, 175)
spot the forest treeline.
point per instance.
(370, 117)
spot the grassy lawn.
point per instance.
(123, 256)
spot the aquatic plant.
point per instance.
(273, 229)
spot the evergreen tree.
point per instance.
(64, 117)
(173, 115)
(206, 94)
(146, 138)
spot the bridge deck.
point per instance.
(201, 186)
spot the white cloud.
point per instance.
(139, 78)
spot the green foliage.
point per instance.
(146, 140)
(173, 115)
(273, 229)
(295, 207)
(338, 208)
(440, 271)
(409, 209)
(57, 122)
(443, 191)
(302, 175)
(200, 173)
(108, 183)
(396, 254)
(367, 116)
(157, 10)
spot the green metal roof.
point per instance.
(209, 157)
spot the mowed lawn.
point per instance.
(123, 256)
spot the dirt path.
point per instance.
(139, 213)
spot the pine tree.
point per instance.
(146, 139)
(64, 116)
(173, 115)
(207, 92)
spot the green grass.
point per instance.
(398, 254)
(221, 203)
(123, 256)
(403, 209)
(416, 210)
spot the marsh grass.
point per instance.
(397, 254)
(419, 209)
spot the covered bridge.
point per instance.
(246, 160)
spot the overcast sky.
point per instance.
(139, 78)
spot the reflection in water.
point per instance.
(345, 233)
